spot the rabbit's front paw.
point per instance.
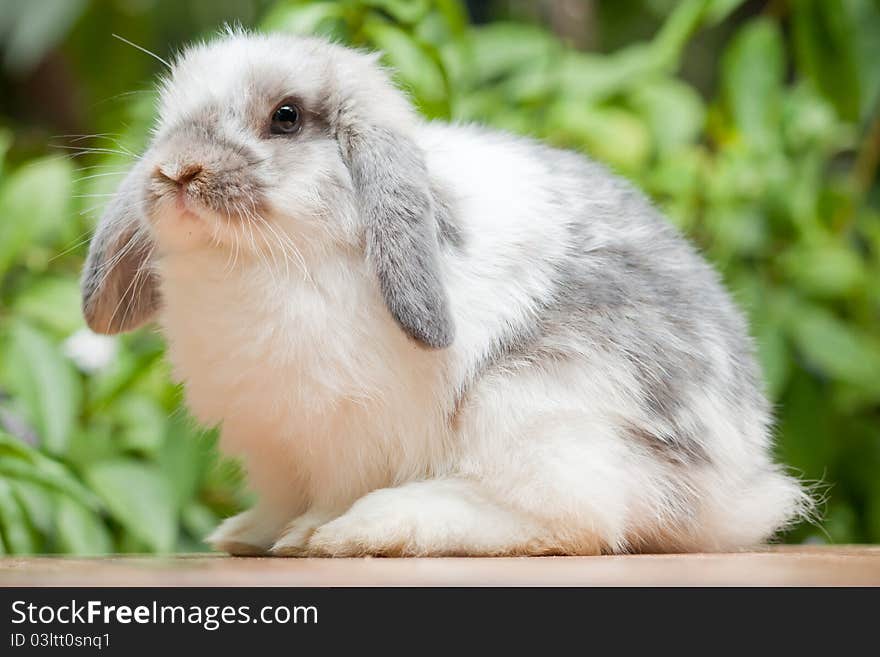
(379, 524)
(295, 536)
(249, 534)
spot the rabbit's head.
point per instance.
(283, 143)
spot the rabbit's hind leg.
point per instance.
(439, 517)
(565, 490)
(538, 468)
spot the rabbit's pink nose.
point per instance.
(179, 174)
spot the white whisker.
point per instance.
(100, 175)
(142, 49)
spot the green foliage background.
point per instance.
(755, 125)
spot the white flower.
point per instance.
(89, 351)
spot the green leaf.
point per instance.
(840, 350)
(774, 356)
(41, 473)
(317, 18)
(45, 382)
(130, 364)
(37, 503)
(865, 20)
(186, 455)
(53, 303)
(139, 498)
(826, 269)
(718, 10)
(80, 530)
(16, 532)
(673, 110)
(445, 24)
(810, 121)
(418, 71)
(841, 522)
(752, 72)
(454, 13)
(142, 423)
(18, 461)
(677, 29)
(741, 176)
(532, 84)
(739, 230)
(405, 11)
(199, 520)
(14, 448)
(678, 174)
(6, 139)
(612, 135)
(499, 49)
(33, 203)
(96, 442)
(592, 78)
(873, 512)
(825, 47)
(806, 425)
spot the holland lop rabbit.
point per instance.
(429, 339)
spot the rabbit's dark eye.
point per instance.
(285, 119)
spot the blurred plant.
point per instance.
(773, 173)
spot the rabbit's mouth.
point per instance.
(216, 181)
(195, 191)
(186, 207)
(176, 204)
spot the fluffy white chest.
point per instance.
(313, 388)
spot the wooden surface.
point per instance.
(772, 566)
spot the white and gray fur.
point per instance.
(428, 339)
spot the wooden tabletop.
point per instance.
(771, 566)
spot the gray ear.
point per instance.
(391, 181)
(119, 287)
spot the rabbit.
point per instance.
(427, 339)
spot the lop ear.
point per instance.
(119, 287)
(396, 204)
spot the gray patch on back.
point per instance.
(630, 287)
